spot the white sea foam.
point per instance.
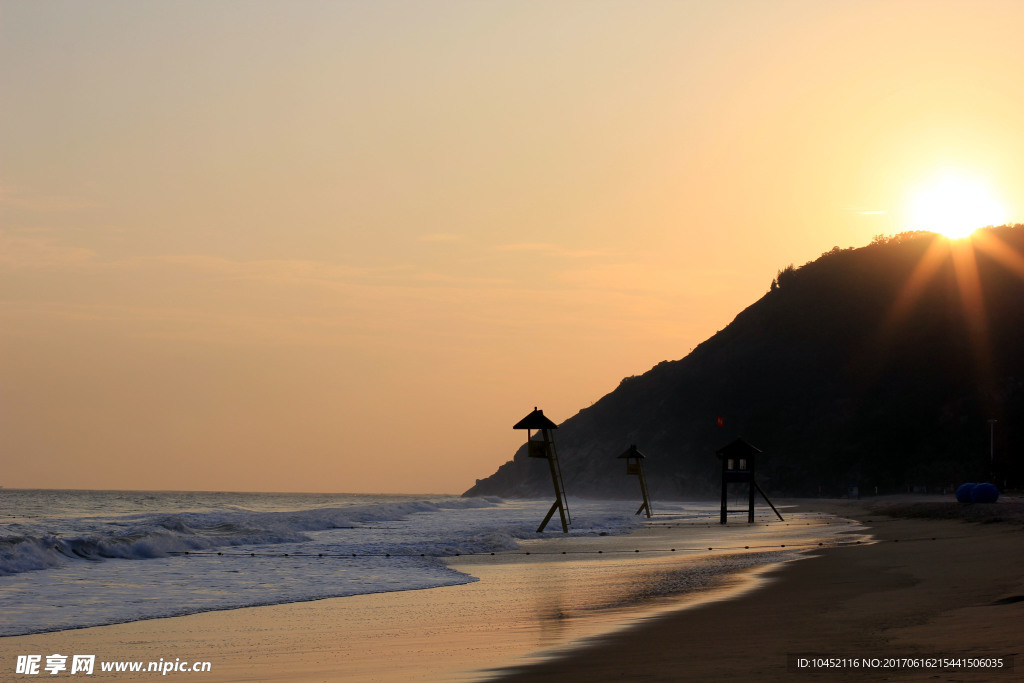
(72, 570)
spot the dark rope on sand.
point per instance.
(783, 546)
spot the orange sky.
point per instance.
(344, 246)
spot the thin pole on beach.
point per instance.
(992, 449)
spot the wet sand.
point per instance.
(906, 596)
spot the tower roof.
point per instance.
(737, 449)
(632, 452)
(535, 420)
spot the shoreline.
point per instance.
(883, 599)
(533, 603)
(952, 587)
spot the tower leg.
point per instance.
(643, 492)
(750, 504)
(556, 479)
(725, 502)
(551, 512)
(759, 490)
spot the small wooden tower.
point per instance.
(739, 460)
(544, 447)
(635, 465)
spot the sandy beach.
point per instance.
(905, 596)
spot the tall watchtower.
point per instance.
(739, 460)
(544, 447)
(635, 465)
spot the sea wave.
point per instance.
(131, 563)
(157, 535)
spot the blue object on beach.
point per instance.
(985, 493)
(963, 494)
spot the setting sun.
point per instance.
(955, 206)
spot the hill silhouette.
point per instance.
(878, 366)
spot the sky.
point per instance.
(345, 246)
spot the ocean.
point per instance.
(72, 559)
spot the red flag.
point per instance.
(720, 421)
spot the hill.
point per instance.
(879, 366)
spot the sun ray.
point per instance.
(869, 363)
(965, 267)
(993, 246)
(961, 255)
(931, 261)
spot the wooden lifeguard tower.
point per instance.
(739, 460)
(635, 465)
(544, 447)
